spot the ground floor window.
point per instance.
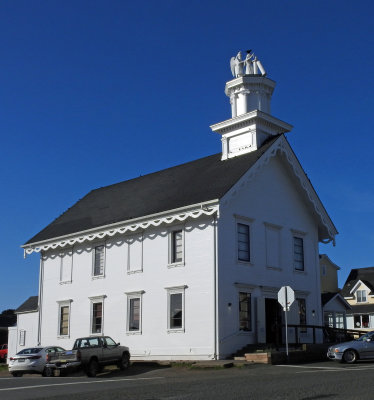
(134, 312)
(64, 320)
(328, 319)
(22, 337)
(361, 321)
(176, 308)
(97, 315)
(302, 314)
(245, 311)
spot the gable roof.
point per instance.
(194, 182)
(329, 296)
(31, 304)
(365, 275)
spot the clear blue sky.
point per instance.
(96, 92)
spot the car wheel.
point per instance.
(350, 356)
(125, 361)
(93, 368)
(47, 372)
(17, 374)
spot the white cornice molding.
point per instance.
(190, 212)
(244, 120)
(281, 145)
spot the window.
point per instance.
(339, 318)
(66, 265)
(328, 319)
(22, 337)
(134, 312)
(97, 315)
(298, 253)
(64, 311)
(361, 321)
(361, 296)
(99, 260)
(245, 311)
(176, 247)
(243, 242)
(135, 254)
(176, 309)
(302, 314)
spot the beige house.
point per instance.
(358, 291)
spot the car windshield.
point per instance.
(33, 350)
(369, 335)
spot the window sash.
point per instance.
(298, 253)
(175, 310)
(97, 317)
(22, 337)
(245, 323)
(243, 242)
(64, 320)
(99, 258)
(177, 246)
(302, 314)
(361, 296)
(134, 314)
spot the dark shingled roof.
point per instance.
(362, 309)
(197, 181)
(366, 275)
(31, 304)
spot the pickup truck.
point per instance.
(90, 354)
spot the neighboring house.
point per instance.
(186, 263)
(24, 333)
(334, 307)
(6, 320)
(358, 290)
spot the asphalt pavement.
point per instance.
(312, 381)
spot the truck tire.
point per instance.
(93, 368)
(47, 372)
(124, 363)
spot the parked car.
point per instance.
(32, 360)
(3, 352)
(91, 354)
(349, 352)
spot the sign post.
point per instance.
(286, 296)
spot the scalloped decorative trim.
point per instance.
(123, 229)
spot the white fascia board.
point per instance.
(357, 285)
(167, 217)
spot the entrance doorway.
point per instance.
(273, 313)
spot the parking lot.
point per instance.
(303, 381)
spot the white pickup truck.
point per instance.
(91, 354)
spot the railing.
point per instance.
(330, 335)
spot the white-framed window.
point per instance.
(64, 318)
(302, 314)
(243, 242)
(98, 267)
(22, 337)
(361, 296)
(273, 246)
(298, 253)
(176, 310)
(176, 246)
(97, 315)
(134, 312)
(361, 320)
(245, 311)
(66, 266)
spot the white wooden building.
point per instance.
(186, 263)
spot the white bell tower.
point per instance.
(250, 95)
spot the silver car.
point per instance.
(350, 352)
(32, 360)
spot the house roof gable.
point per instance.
(31, 304)
(365, 275)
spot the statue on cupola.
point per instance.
(251, 63)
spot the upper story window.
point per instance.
(66, 266)
(243, 242)
(361, 296)
(99, 260)
(298, 253)
(176, 246)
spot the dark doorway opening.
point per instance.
(273, 312)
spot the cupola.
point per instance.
(250, 95)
